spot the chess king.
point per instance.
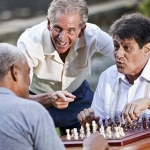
(124, 87)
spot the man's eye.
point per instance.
(71, 30)
(116, 47)
(126, 48)
(56, 29)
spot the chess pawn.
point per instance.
(94, 126)
(72, 133)
(116, 132)
(82, 134)
(75, 134)
(125, 127)
(138, 124)
(102, 131)
(121, 132)
(104, 124)
(68, 137)
(88, 133)
(145, 123)
(108, 132)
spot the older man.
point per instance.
(129, 79)
(59, 53)
(25, 124)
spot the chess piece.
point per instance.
(125, 127)
(72, 133)
(104, 124)
(109, 122)
(116, 132)
(75, 134)
(121, 132)
(68, 137)
(145, 124)
(138, 124)
(108, 132)
(88, 133)
(82, 134)
(101, 130)
(94, 126)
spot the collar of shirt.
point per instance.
(146, 71)
(4, 90)
(145, 74)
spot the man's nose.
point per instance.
(62, 35)
(119, 53)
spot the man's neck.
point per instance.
(64, 55)
(132, 78)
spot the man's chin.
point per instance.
(120, 69)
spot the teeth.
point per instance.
(62, 43)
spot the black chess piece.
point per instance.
(117, 123)
(125, 127)
(138, 125)
(110, 123)
(104, 124)
(145, 124)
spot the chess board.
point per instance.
(131, 135)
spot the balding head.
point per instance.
(14, 70)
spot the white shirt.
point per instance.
(113, 92)
(48, 72)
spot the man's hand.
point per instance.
(96, 141)
(87, 116)
(133, 109)
(61, 99)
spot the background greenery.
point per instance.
(144, 7)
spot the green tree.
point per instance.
(144, 7)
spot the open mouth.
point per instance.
(62, 43)
(121, 64)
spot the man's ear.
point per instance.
(147, 48)
(82, 31)
(14, 72)
(48, 24)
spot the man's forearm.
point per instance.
(44, 99)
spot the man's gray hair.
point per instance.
(69, 7)
(9, 55)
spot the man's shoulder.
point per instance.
(24, 105)
(91, 29)
(35, 33)
(93, 32)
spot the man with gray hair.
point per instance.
(59, 53)
(25, 124)
(21, 125)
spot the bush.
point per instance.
(144, 7)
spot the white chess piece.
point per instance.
(116, 132)
(122, 132)
(88, 133)
(108, 132)
(82, 134)
(68, 137)
(102, 131)
(94, 126)
(72, 133)
(75, 134)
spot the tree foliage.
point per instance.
(144, 7)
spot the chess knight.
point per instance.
(124, 88)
